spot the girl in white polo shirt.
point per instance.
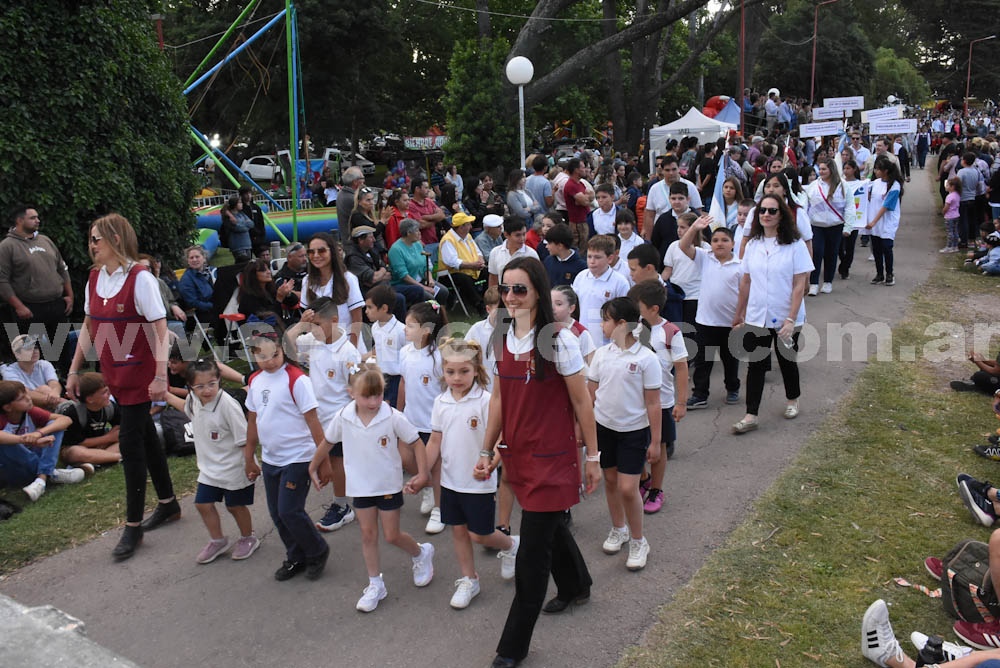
(625, 380)
(458, 426)
(420, 371)
(323, 347)
(378, 442)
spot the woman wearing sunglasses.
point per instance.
(776, 268)
(327, 277)
(539, 394)
(127, 324)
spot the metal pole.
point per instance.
(812, 77)
(743, 46)
(235, 53)
(292, 114)
(520, 109)
(968, 75)
(232, 28)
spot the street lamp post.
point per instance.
(968, 75)
(519, 72)
(812, 78)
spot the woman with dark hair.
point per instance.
(539, 395)
(126, 322)
(776, 266)
(394, 212)
(519, 201)
(258, 299)
(827, 201)
(732, 195)
(885, 194)
(327, 277)
(238, 225)
(777, 185)
(363, 213)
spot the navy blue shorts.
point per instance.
(233, 497)
(668, 428)
(625, 451)
(337, 450)
(424, 436)
(391, 393)
(475, 510)
(382, 502)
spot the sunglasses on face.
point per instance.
(517, 289)
(771, 211)
(95, 240)
(318, 251)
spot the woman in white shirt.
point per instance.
(776, 266)
(827, 199)
(327, 277)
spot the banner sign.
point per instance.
(425, 143)
(844, 103)
(903, 125)
(821, 129)
(826, 114)
(885, 114)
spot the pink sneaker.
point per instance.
(654, 502)
(212, 550)
(245, 546)
(934, 566)
(980, 636)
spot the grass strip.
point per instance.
(871, 494)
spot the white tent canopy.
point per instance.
(692, 124)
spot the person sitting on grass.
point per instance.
(986, 380)
(36, 374)
(30, 439)
(990, 265)
(92, 436)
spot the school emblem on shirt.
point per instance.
(474, 422)
(215, 436)
(120, 308)
(425, 380)
(264, 396)
(330, 373)
(388, 342)
(568, 276)
(383, 441)
(632, 367)
(607, 294)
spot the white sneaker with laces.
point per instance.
(950, 649)
(827, 288)
(67, 476)
(434, 523)
(466, 589)
(426, 501)
(372, 595)
(423, 565)
(878, 642)
(508, 559)
(813, 289)
(615, 540)
(638, 551)
(35, 489)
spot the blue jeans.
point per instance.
(21, 464)
(287, 488)
(826, 248)
(992, 268)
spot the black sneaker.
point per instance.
(974, 496)
(314, 567)
(991, 452)
(890, 280)
(994, 439)
(163, 513)
(130, 540)
(504, 530)
(288, 570)
(336, 516)
(878, 279)
(962, 386)
(694, 403)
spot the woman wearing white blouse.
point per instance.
(827, 199)
(776, 266)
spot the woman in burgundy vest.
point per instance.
(126, 324)
(540, 392)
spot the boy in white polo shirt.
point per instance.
(720, 272)
(625, 381)
(387, 337)
(598, 285)
(323, 347)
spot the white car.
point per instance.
(261, 168)
(335, 154)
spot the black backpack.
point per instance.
(966, 587)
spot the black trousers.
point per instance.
(466, 286)
(758, 363)
(715, 337)
(547, 546)
(142, 453)
(846, 253)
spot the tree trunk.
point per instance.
(483, 18)
(613, 74)
(699, 85)
(755, 26)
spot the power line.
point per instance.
(442, 5)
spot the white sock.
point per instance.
(40, 478)
(375, 580)
(621, 529)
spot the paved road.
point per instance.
(161, 609)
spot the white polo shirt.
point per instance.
(462, 424)
(593, 292)
(720, 288)
(629, 244)
(147, 299)
(500, 256)
(668, 353)
(354, 297)
(421, 373)
(622, 376)
(388, 341)
(658, 198)
(220, 432)
(604, 221)
(283, 434)
(330, 368)
(480, 332)
(622, 268)
(372, 464)
(772, 267)
(565, 349)
(685, 274)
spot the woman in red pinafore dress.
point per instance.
(540, 392)
(126, 324)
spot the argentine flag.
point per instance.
(717, 209)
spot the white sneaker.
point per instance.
(426, 500)
(434, 523)
(423, 565)
(372, 595)
(508, 559)
(827, 288)
(638, 550)
(878, 642)
(813, 289)
(466, 589)
(616, 538)
(35, 489)
(871, 258)
(946, 249)
(950, 649)
(67, 476)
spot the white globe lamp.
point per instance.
(519, 72)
